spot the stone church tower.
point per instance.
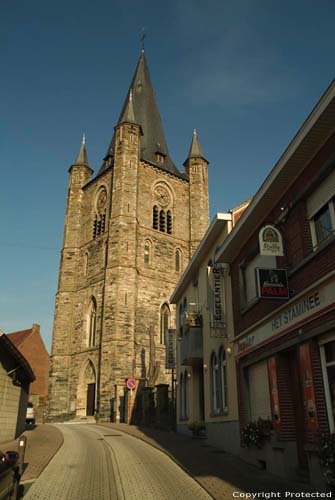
(129, 233)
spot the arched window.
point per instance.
(178, 261)
(85, 264)
(169, 222)
(215, 384)
(105, 254)
(162, 221)
(223, 379)
(155, 217)
(147, 252)
(92, 322)
(165, 320)
(185, 394)
(181, 320)
(181, 396)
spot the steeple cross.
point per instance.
(143, 35)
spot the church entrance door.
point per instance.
(90, 400)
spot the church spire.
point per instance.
(128, 115)
(195, 149)
(141, 98)
(82, 159)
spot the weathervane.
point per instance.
(143, 35)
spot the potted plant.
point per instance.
(255, 433)
(198, 429)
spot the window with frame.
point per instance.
(327, 351)
(323, 224)
(218, 381)
(223, 380)
(92, 323)
(320, 207)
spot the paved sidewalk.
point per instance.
(220, 473)
(43, 441)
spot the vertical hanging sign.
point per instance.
(170, 347)
(272, 369)
(270, 241)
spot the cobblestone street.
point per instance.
(97, 463)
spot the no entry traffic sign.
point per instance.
(131, 383)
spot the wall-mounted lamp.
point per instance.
(188, 375)
(205, 366)
(229, 350)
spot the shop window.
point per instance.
(164, 322)
(91, 323)
(327, 351)
(259, 391)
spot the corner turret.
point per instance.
(196, 167)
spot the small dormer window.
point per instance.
(160, 158)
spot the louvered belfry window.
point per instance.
(155, 217)
(162, 221)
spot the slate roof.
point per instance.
(82, 159)
(145, 112)
(195, 149)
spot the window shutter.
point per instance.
(259, 392)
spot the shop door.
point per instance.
(298, 407)
(90, 400)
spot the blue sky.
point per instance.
(245, 74)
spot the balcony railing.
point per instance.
(191, 346)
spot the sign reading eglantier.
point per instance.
(170, 348)
(270, 241)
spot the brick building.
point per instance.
(30, 344)
(285, 346)
(129, 232)
(15, 377)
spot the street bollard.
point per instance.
(22, 451)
